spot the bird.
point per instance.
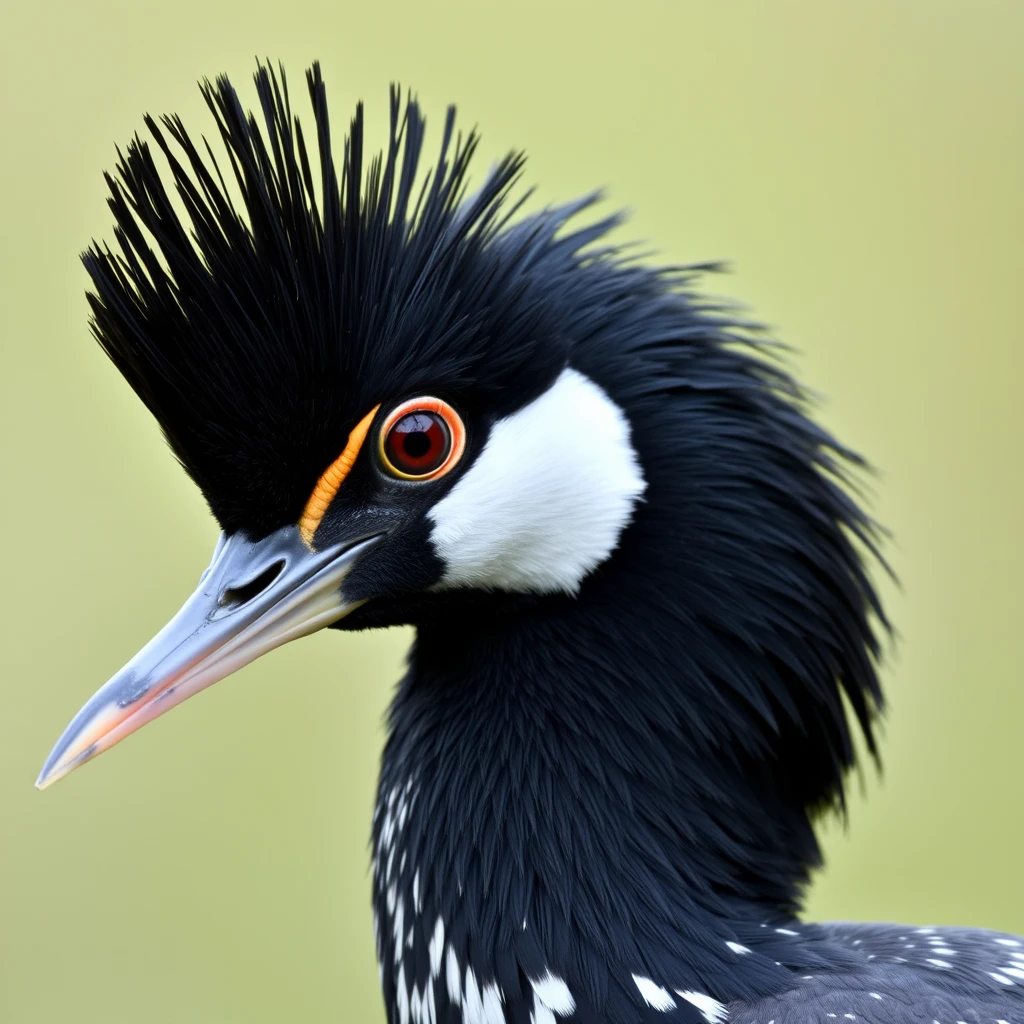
(642, 577)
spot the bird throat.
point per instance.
(548, 810)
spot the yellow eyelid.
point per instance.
(332, 478)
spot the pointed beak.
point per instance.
(253, 598)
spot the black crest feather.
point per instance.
(257, 334)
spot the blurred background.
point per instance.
(860, 165)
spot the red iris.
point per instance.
(418, 443)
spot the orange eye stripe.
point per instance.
(331, 479)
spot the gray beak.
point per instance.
(253, 598)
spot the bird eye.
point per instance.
(421, 439)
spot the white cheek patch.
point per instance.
(546, 499)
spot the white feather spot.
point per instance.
(547, 498)
(1014, 972)
(541, 1014)
(654, 995)
(398, 928)
(553, 992)
(785, 931)
(472, 1000)
(435, 948)
(737, 948)
(941, 964)
(402, 995)
(714, 1012)
(453, 977)
(1001, 978)
(492, 1000)
(1008, 942)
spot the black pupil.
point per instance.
(418, 443)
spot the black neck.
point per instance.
(553, 765)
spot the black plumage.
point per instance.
(254, 331)
(604, 796)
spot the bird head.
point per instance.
(404, 402)
(366, 375)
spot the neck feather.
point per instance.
(554, 785)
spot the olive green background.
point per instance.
(861, 165)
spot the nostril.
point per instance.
(235, 597)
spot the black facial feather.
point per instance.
(259, 335)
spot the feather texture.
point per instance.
(594, 806)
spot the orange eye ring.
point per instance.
(421, 439)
